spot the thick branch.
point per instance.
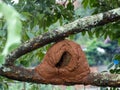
(64, 31)
(97, 79)
(102, 79)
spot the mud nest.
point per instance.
(64, 62)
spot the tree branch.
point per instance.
(26, 75)
(102, 79)
(64, 31)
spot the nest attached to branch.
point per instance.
(64, 62)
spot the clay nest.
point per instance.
(64, 62)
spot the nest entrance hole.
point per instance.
(64, 60)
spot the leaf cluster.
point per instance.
(111, 29)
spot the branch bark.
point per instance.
(22, 74)
(26, 75)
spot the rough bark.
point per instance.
(26, 75)
(22, 74)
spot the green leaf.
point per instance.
(5, 85)
(110, 65)
(118, 71)
(90, 34)
(25, 63)
(117, 57)
(14, 27)
(70, 6)
(112, 71)
(85, 3)
(30, 35)
(83, 33)
(2, 59)
(13, 46)
(70, 88)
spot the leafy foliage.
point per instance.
(112, 29)
(37, 17)
(97, 51)
(14, 29)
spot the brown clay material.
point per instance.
(64, 62)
